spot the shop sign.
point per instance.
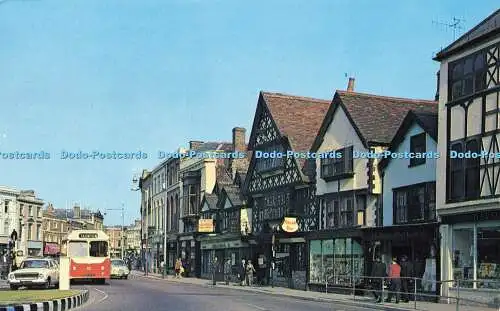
(206, 225)
(290, 224)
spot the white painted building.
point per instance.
(348, 187)
(9, 215)
(408, 214)
(468, 189)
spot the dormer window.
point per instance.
(417, 149)
(339, 167)
(271, 158)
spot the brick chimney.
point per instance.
(350, 85)
(194, 144)
(76, 212)
(239, 143)
(438, 76)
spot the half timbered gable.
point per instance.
(282, 123)
(470, 114)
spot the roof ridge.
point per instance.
(427, 101)
(291, 96)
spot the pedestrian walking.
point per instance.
(250, 270)
(407, 273)
(178, 267)
(395, 279)
(228, 271)
(242, 272)
(378, 273)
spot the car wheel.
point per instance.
(47, 284)
(14, 287)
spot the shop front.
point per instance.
(189, 251)
(471, 256)
(51, 249)
(418, 242)
(335, 260)
(35, 248)
(219, 249)
(172, 253)
(474, 247)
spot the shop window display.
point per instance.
(337, 262)
(481, 251)
(463, 255)
(488, 253)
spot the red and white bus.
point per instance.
(88, 251)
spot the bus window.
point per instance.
(77, 249)
(98, 249)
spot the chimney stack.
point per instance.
(239, 143)
(438, 75)
(194, 144)
(350, 85)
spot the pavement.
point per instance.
(191, 294)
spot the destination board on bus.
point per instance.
(87, 235)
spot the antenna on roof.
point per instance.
(455, 25)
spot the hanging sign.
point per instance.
(206, 225)
(290, 224)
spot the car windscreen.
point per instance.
(34, 264)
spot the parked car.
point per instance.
(35, 272)
(119, 269)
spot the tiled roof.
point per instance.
(63, 213)
(429, 122)
(379, 117)
(297, 118)
(488, 26)
(211, 200)
(213, 146)
(223, 177)
(234, 195)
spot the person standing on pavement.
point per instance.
(407, 274)
(378, 273)
(395, 279)
(242, 272)
(250, 270)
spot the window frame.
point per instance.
(418, 145)
(338, 168)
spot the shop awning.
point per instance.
(51, 249)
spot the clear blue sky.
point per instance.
(152, 75)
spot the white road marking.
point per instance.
(256, 307)
(102, 292)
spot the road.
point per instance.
(157, 295)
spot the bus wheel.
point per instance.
(101, 281)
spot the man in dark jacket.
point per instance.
(379, 271)
(407, 273)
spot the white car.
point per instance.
(35, 272)
(119, 269)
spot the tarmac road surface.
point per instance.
(141, 294)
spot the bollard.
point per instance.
(415, 292)
(353, 289)
(382, 294)
(64, 270)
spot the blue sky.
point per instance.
(152, 75)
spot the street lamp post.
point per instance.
(122, 209)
